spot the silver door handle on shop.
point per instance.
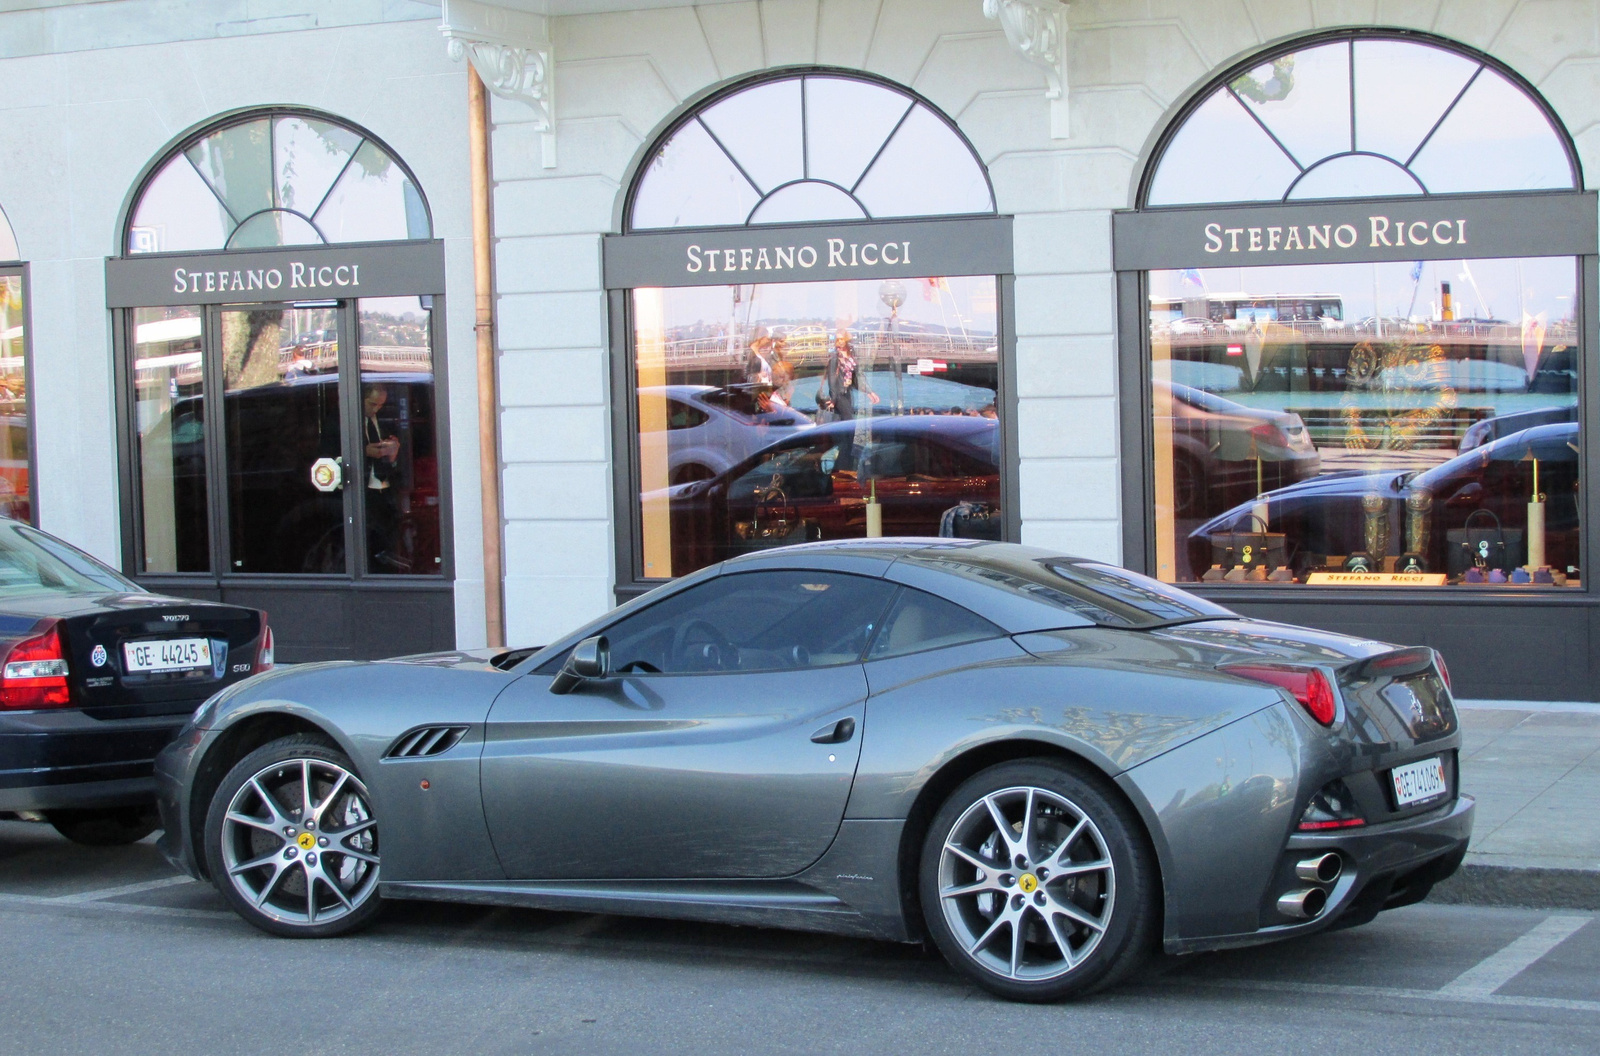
(836, 732)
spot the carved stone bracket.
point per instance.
(1037, 30)
(511, 52)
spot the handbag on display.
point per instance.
(971, 520)
(1249, 550)
(773, 522)
(1486, 547)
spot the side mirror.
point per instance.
(589, 659)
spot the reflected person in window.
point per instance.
(382, 450)
(843, 381)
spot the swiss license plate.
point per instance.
(1416, 782)
(174, 654)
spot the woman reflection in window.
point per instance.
(843, 381)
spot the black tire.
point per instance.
(105, 826)
(1060, 955)
(294, 863)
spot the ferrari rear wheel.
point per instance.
(292, 843)
(1038, 885)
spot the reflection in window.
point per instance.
(1361, 116)
(1367, 417)
(810, 147)
(280, 370)
(780, 413)
(399, 437)
(169, 417)
(16, 484)
(277, 180)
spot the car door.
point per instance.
(724, 746)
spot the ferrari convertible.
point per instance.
(1050, 767)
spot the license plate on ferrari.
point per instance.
(1416, 782)
(174, 654)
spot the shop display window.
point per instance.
(768, 413)
(1396, 421)
(1367, 417)
(792, 412)
(16, 422)
(170, 441)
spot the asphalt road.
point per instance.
(107, 952)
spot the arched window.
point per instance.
(1365, 323)
(806, 148)
(811, 272)
(1362, 116)
(276, 179)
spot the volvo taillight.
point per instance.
(265, 654)
(1308, 685)
(35, 672)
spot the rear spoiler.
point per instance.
(1400, 663)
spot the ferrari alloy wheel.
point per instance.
(292, 843)
(1036, 884)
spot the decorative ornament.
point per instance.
(1037, 30)
(512, 53)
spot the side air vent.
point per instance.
(425, 740)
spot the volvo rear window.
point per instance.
(33, 563)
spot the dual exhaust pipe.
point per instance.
(1308, 903)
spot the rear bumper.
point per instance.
(1385, 866)
(59, 759)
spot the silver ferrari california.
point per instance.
(1050, 767)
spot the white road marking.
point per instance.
(1393, 993)
(116, 907)
(1498, 969)
(125, 889)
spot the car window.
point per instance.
(32, 563)
(919, 621)
(752, 621)
(682, 416)
(795, 467)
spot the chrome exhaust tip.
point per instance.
(1304, 904)
(1321, 870)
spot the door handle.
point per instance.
(835, 732)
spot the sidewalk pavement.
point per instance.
(1535, 769)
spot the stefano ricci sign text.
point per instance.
(1422, 227)
(809, 252)
(265, 276)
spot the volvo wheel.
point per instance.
(292, 843)
(1038, 885)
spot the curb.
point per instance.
(1524, 886)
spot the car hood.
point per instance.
(472, 659)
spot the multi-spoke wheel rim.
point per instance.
(300, 844)
(1026, 883)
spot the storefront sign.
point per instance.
(1371, 229)
(809, 253)
(303, 273)
(1378, 579)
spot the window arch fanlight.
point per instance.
(809, 147)
(276, 178)
(1362, 114)
(8, 240)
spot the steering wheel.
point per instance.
(699, 646)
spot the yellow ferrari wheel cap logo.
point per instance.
(1028, 882)
(308, 841)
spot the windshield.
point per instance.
(33, 563)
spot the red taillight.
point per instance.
(1267, 433)
(264, 655)
(35, 672)
(1444, 672)
(1306, 684)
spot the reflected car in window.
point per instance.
(815, 485)
(1492, 429)
(709, 428)
(1224, 451)
(1049, 766)
(1326, 519)
(96, 675)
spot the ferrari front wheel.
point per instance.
(292, 843)
(1037, 884)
